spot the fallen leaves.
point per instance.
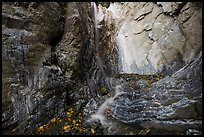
(66, 127)
(42, 128)
(53, 120)
(77, 125)
(72, 123)
(92, 131)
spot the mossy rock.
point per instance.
(103, 90)
(136, 77)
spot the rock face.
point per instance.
(155, 37)
(75, 52)
(41, 52)
(126, 65)
(31, 87)
(173, 104)
(151, 39)
(105, 43)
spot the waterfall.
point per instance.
(100, 114)
(129, 55)
(127, 50)
(165, 103)
(96, 18)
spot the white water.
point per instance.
(128, 61)
(99, 16)
(100, 114)
(132, 58)
(128, 51)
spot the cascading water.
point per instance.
(117, 88)
(126, 54)
(97, 39)
(115, 85)
(100, 114)
(162, 106)
(132, 54)
(127, 49)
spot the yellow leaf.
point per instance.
(69, 119)
(74, 122)
(41, 127)
(77, 124)
(66, 127)
(53, 120)
(92, 131)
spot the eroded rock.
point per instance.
(150, 41)
(35, 80)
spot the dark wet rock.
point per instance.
(56, 54)
(174, 103)
(35, 80)
(27, 31)
(104, 4)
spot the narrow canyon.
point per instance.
(102, 68)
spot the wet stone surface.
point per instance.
(135, 70)
(168, 105)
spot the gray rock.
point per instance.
(169, 105)
(35, 80)
(55, 54)
(159, 40)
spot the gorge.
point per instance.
(130, 68)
